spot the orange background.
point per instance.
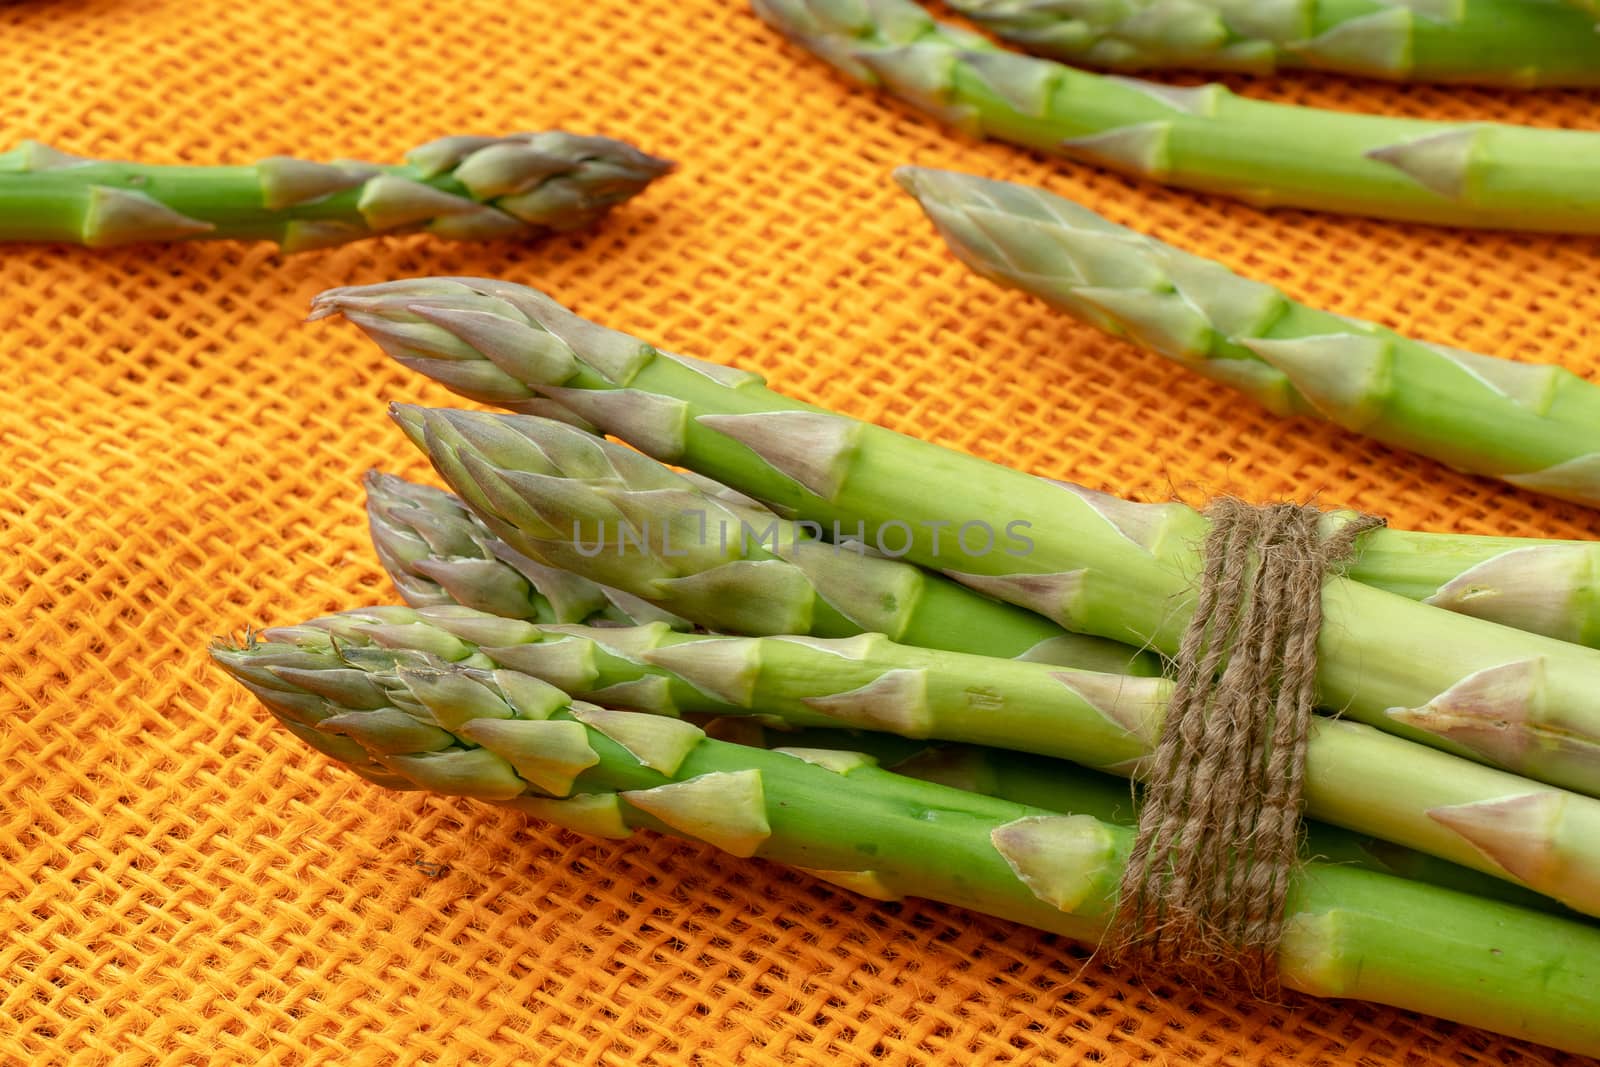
(183, 883)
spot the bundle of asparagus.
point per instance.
(463, 187)
(607, 653)
(1483, 42)
(1537, 427)
(1207, 138)
(1380, 787)
(548, 489)
(411, 721)
(555, 658)
(615, 667)
(1093, 564)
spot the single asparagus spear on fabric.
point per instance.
(586, 506)
(1085, 560)
(1482, 42)
(1548, 587)
(1206, 138)
(1068, 789)
(1544, 839)
(463, 187)
(1537, 427)
(507, 738)
(437, 552)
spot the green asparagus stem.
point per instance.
(424, 537)
(437, 552)
(1510, 828)
(1537, 427)
(580, 504)
(506, 738)
(441, 554)
(1206, 138)
(1543, 587)
(467, 188)
(1086, 560)
(1483, 42)
(1067, 789)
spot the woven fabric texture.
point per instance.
(183, 883)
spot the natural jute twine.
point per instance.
(1219, 832)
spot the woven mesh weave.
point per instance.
(182, 883)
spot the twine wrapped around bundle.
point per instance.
(1219, 832)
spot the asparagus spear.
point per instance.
(1537, 427)
(1542, 586)
(1067, 789)
(580, 504)
(437, 552)
(463, 187)
(1548, 587)
(1206, 138)
(1090, 562)
(506, 738)
(1356, 777)
(1484, 42)
(1016, 776)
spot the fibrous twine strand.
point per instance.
(1219, 832)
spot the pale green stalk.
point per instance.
(438, 553)
(1207, 138)
(1068, 789)
(1482, 42)
(1543, 839)
(1537, 427)
(464, 187)
(1079, 558)
(585, 506)
(1543, 587)
(509, 739)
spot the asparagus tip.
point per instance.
(910, 179)
(227, 650)
(411, 417)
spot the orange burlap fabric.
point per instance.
(182, 883)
